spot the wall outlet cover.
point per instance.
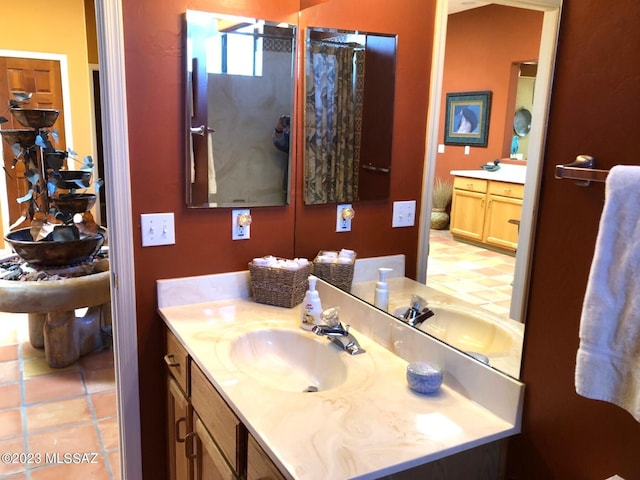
(239, 231)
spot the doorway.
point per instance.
(42, 78)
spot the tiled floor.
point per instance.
(473, 274)
(48, 415)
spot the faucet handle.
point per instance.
(330, 316)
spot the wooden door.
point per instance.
(42, 79)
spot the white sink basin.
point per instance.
(469, 332)
(289, 360)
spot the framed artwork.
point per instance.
(467, 118)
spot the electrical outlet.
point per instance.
(157, 229)
(404, 214)
(344, 214)
(240, 224)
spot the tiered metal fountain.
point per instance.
(53, 237)
(61, 236)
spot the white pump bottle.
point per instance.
(311, 306)
(381, 297)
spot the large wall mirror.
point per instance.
(348, 124)
(239, 104)
(549, 13)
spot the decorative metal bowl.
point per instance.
(72, 179)
(51, 253)
(71, 203)
(25, 137)
(54, 160)
(35, 117)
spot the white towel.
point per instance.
(608, 359)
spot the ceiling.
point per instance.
(455, 6)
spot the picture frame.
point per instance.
(472, 129)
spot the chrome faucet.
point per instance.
(337, 333)
(418, 312)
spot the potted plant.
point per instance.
(442, 195)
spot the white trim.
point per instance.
(94, 67)
(117, 182)
(431, 137)
(546, 61)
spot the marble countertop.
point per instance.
(371, 425)
(507, 173)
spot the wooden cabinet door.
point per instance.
(178, 426)
(259, 465)
(210, 463)
(467, 214)
(498, 231)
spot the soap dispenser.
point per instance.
(381, 298)
(311, 306)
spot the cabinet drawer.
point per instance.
(511, 190)
(177, 360)
(471, 184)
(221, 422)
(210, 463)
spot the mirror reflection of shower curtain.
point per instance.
(335, 86)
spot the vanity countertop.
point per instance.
(371, 425)
(507, 173)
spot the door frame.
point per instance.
(542, 96)
(115, 133)
(66, 103)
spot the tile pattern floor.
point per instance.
(46, 413)
(473, 274)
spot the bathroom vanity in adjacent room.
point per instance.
(486, 206)
(239, 402)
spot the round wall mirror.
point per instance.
(522, 122)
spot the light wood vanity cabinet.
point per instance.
(260, 466)
(226, 430)
(179, 422)
(481, 211)
(206, 440)
(467, 207)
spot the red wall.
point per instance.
(594, 106)
(371, 233)
(482, 44)
(154, 69)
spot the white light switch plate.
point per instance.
(404, 214)
(157, 229)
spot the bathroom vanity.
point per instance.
(239, 400)
(486, 206)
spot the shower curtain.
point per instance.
(333, 117)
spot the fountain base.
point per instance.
(52, 305)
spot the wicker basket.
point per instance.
(278, 286)
(337, 274)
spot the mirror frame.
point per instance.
(537, 136)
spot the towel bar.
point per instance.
(582, 170)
